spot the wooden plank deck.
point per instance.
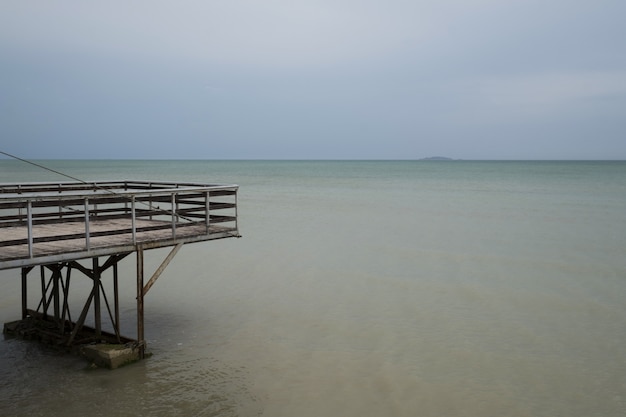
(46, 223)
(117, 236)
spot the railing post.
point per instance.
(132, 217)
(29, 216)
(87, 223)
(236, 214)
(177, 209)
(207, 210)
(173, 215)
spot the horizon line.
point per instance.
(426, 159)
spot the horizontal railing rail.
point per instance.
(117, 186)
(167, 205)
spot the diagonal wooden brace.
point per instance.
(161, 268)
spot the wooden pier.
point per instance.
(56, 226)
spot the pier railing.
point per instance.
(90, 217)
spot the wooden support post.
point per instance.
(44, 291)
(116, 301)
(140, 330)
(66, 291)
(56, 275)
(25, 272)
(24, 292)
(96, 296)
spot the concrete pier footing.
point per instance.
(110, 356)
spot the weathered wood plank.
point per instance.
(68, 221)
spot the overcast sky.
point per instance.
(313, 79)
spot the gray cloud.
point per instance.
(319, 79)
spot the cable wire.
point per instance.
(169, 212)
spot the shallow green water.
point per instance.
(364, 288)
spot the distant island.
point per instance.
(437, 158)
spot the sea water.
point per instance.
(362, 288)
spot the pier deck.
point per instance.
(54, 225)
(42, 223)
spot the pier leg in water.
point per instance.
(140, 332)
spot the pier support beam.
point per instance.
(25, 272)
(142, 290)
(140, 331)
(52, 320)
(88, 222)
(96, 274)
